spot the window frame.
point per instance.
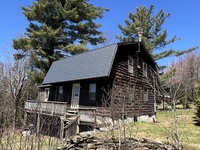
(60, 90)
(145, 94)
(90, 98)
(130, 64)
(131, 94)
(60, 93)
(47, 92)
(145, 69)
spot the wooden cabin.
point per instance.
(116, 81)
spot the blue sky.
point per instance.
(183, 22)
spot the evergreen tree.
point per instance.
(57, 29)
(147, 24)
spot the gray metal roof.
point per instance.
(91, 64)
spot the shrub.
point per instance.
(198, 112)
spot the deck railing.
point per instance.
(87, 114)
(50, 107)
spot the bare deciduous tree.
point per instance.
(181, 78)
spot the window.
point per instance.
(145, 94)
(130, 64)
(92, 92)
(60, 89)
(60, 94)
(76, 90)
(131, 92)
(46, 95)
(46, 92)
(145, 69)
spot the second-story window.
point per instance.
(130, 64)
(145, 69)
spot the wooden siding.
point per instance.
(67, 91)
(84, 91)
(132, 84)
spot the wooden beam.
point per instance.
(95, 118)
(62, 127)
(38, 124)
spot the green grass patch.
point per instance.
(16, 141)
(164, 129)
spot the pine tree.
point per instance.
(147, 24)
(57, 29)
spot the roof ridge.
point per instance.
(92, 50)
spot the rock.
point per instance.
(143, 140)
(90, 142)
(82, 145)
(158, 141)
(90, 146)
(75, 139)
(26, 133)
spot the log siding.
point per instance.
(134, 84)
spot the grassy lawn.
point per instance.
(18, 142)
(164, 129)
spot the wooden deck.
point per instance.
(70, 118)
(88, 114)
(49, 108)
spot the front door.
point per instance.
(75, 95)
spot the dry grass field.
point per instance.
(164, 129)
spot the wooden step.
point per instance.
(70, 119)
(72, 111)
(70, 114)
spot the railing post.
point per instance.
(62, 127)
(78, 122)
(65, 111)
(95, 118)
(38, 124)
(52, 108)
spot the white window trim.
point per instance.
(130, 64)
(60, 89)
(144, 69)
(46, 94)
(92, 92)
(146, 94)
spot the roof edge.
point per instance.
(145, 49)
(113, 58)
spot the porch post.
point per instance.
(25, 119)
(77, 128)
(61, 127)
(78, 122)
(38, 124)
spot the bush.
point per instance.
(198, 112)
